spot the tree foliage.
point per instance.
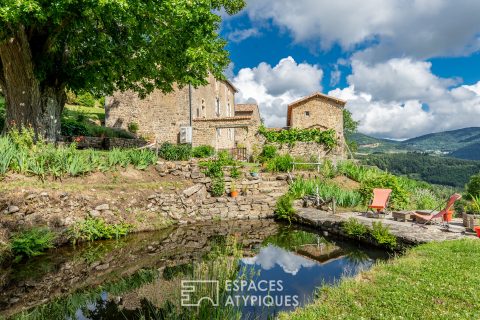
(112, 45)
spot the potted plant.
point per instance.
(254, 172)
(233, 190)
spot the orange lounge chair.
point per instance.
(380, 200)
(437, 214)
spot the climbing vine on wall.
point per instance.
(290, 136)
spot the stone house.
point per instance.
(209, 111)
(317, 111)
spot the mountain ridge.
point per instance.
(459, 143)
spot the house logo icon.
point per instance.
(193, 292)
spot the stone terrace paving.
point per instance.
(407, 232)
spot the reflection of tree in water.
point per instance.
(290, 239)
(356, 261)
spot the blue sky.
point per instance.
(405, 67)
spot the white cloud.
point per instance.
(270, 256)
(387, 99)
(416, 28)
(242, 34)
(273, 88)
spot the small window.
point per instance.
(219, 132)
(198, 112)
(217, 106)
(307, 113)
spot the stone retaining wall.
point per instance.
(180, 196)
(307, 150)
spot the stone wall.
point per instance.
(180, 196)
(160, 115)
(312, 151)
(244, 131)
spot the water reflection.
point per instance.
(140, 276)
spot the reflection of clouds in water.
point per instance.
(271, 255)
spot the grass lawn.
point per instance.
(431, 281)
(93, 113)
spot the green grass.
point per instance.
(431, 281)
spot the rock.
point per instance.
(94, 213)
(197, 174)
(192, 190)
(282, 177)
(102, 207)
(44, 194)
(104, 266)
(12, 209)
(31, 196)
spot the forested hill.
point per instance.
(461, 143)
(433, 169)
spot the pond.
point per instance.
(220, 270)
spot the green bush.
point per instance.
(281, 163)
(399, 198)
(268, 152)
(133, 127)
(213, 169)
(234, 172)
(92, 229)
(293, 135)
(382, 235)
(73, 128)
(284, 207)
(217, 188)
(328, 169)
(32, 242)
(355, 229)
(225, 158)
(473, 186)
(175, 152)
(203, 151)
(424, 199)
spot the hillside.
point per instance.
(461, 143)
(433, 169)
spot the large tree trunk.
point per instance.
(28, 102)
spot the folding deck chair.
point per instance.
(380, 200)
(429, 218)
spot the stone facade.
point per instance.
(312, 151)
(322, 112)
(160, 116)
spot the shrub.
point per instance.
(133, 127)
(234, 172)
(268, 152)
(32, 242)
(73, 128)
(142, 158)
(92, 229)
(175, 152)
(284, 208)
(283, 163)
(328, 169)
(203, 151)
(382, 235)
(424, 199)
(399, 197)
(355, 229)
(473, 186)
(225, 158)
(213, 169)
(217, 188)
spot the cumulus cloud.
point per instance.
(239, 35)
(270, 256)
(273, 88)
(401, 98)
(416, 28)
